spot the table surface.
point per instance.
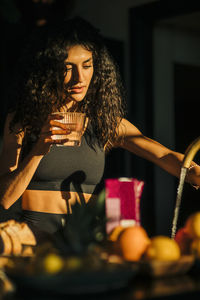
(139, 288)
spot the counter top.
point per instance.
(139, 288)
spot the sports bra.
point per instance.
(66, 168)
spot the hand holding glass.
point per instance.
(75, 123)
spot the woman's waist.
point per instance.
(68, 184)
(59, 202)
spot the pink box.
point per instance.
(123, 201)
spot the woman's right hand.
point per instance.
(51, 128)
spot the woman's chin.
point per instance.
(77, 98)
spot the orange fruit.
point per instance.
(162, 248)
(133, 242)
(192, 225)
(184, 240)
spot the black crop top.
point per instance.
(65, 168)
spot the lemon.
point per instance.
(192, 225)
(195, 247)
(73, 263)
(53, 263)
(162, 248)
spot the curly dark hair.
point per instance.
(39, 86)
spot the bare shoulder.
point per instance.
(127, 129)
(11, 146)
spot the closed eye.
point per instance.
(68, 69)
(86, 67)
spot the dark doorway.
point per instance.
(187, 126)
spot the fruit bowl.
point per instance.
(78, 275)
(157, 268)
(75, 282)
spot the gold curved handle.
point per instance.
(190, 152)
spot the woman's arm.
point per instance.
(131, 139)
(15, 175)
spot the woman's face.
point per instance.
(79, 66)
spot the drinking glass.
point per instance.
(75, 121)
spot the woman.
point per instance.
(70, 69)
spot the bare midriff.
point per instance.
(58, 202)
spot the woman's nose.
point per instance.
(78, 75)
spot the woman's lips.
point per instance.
(77, 90)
